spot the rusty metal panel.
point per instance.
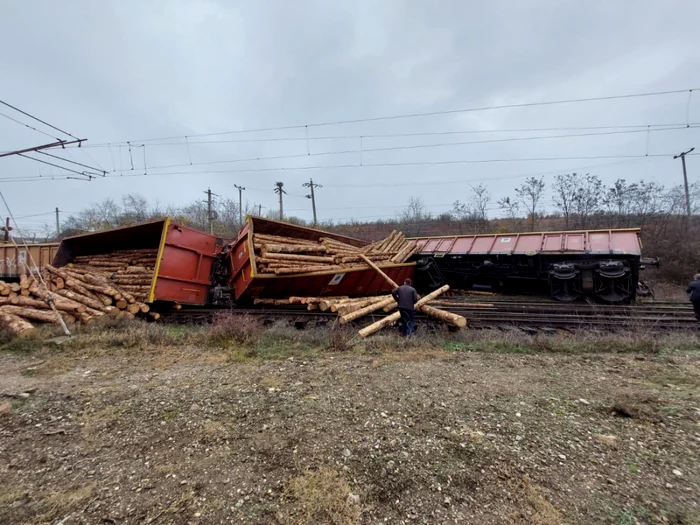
(596, 242)
(16, 260)
(183, 266)
(246, 282)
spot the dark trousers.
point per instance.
(696, 307)
(407, 322)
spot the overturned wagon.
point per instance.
(160, 261)
(334, 264)
(602, 264)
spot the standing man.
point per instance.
(406, 297)
(694, 291)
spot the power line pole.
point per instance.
(685, 180)
(210, 212)
(58, 225)
(240, 202)
(312, 196)
(279, 191)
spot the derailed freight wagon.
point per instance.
(183, 264)
(602, 264)
(247, 282)
(17, 259)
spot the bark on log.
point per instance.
(133, 308)
(24, 292)
(398, 241)
(280, 257)
(327, 302)
(23, 282)
(61, 303)
(374, 327)
(278, 239)
(353, 307)
(154, 315)
(143, 307)
(364, 311)
(376, 269)
(16, 325)
(306, 269)
(136, 269)
(448, 317)
(45, 316)
(15, 287)
(291, 248)
(121, 304)
(78, 298)
(383, 244)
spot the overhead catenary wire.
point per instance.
(426, 114)
(72, 162)
(409, 147)
(28, 126)
(37, 119)
(57, 165)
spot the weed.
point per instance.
(320, 496)
(230, 328)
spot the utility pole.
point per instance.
(312, 196)
(240, 202)
(279, 191)
(58, 225)
(685, 179)
(7, 229)
(210, 212)
(259, 210)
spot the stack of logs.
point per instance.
(351, 309)
(115, 284)
(290, 255)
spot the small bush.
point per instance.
(241, 329)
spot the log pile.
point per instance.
(351, 309)
(290, 255)
(115, 284)
(130, 270)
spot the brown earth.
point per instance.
(190, 436)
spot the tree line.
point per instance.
(572, 201)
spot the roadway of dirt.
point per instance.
(188, 437)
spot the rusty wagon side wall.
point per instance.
(183, 265)
(16, 260)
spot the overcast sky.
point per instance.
(125, 70)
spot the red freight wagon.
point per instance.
(183, 266)
(603, 264)
(246, 282)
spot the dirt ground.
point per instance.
(190, 436)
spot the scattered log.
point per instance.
(291, 257)
(16, 325)
(353, 307)
(392, 318)
(154, 315)
(45, 316)
(62, 303)
(448, 317)
(133, 308)
(376, 269)
(364, 311)
(78, 298)
(306, 269)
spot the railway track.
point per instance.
(535, 315)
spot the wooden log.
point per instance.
(78, 298)
(16, 325)
(45, 316)
(270, 302)
(278, 257)
(154, 315)
(143, 307)
(312, 306)
(129, 315)
(133, 308)
(24, 292)
(136, 269)
(121, 304)
(364, 311)
(403, 254)
(15, 287)
(61, 303)
(392, 318)
(291, 248)
(380, 272)
(448, 317)
(131, 289)
(327, 302)
(329, 240)
(383, 244)
(177, 306)
(306, 269)
(353, 307)
(23, 282)
(396, 243)
(263, 237)
(75, 286)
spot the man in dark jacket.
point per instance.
(406, 297)
(694, 291)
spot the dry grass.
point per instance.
(320, 497)
(535, 508)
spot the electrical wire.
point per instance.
(54, 165)
(27, 126)
(417, 146)
(427, 114)
(71, 162)
(37, 119)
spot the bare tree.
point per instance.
(511, 207)
(530, 194)
(565, 188)
(414, 216)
